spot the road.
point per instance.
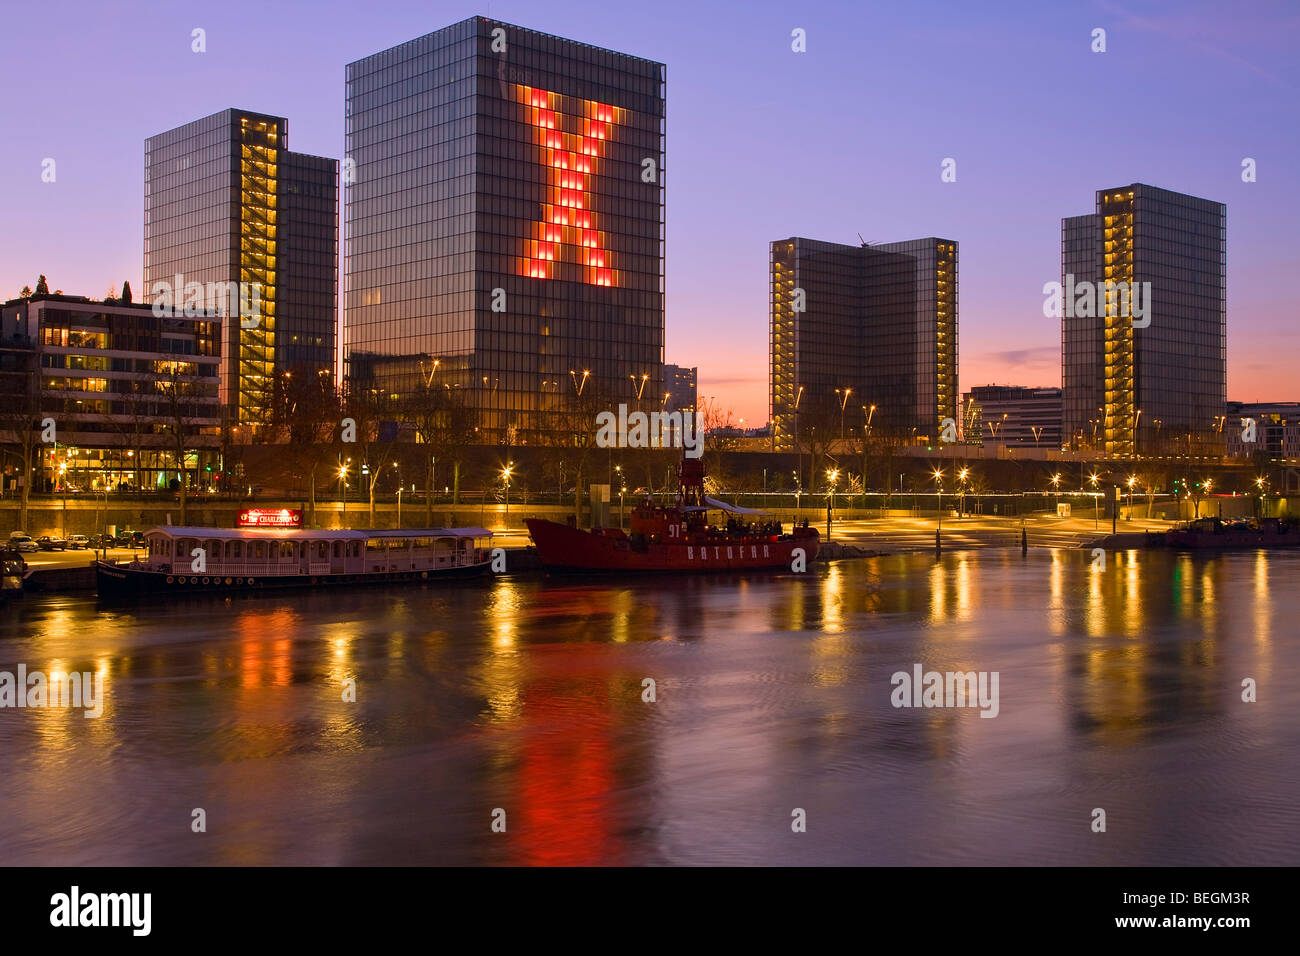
(879, 534)
(70, 558)
(977, 531)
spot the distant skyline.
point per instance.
(762, 143)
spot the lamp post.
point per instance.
(1096, 501)
(506, 472)
(797, 450)
(343, 480)
(938, 534)
(619, 471)
(832, 475)
(844, 394)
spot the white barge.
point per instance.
(191, 560)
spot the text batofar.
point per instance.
(270, 518)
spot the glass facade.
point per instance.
(505, 229)
(1156, 383)
(115, 378)
(227, 203)
(878, 320)
(1013, 415)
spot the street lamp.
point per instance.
(938, 482)
(1096, 501)
(962, 475)
(506, 472)
(579, 386)
(343, 480)
(619, 471)
(832, 475)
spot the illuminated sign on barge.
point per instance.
(270, 518)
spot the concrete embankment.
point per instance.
(1131, 540)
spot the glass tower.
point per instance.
(871, 328)
(504, 213)
(1155, 382)
(227, 207)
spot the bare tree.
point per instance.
(180, 411)
(376, 433)
(716, 424)
(305, 417)
(819, 429)
(444, 423)
(20, 420)
(573, 439)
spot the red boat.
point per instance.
(678, 537)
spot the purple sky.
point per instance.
(763, 143)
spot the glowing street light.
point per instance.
(506, 472)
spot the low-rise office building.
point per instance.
(105, 390)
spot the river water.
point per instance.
(522, 700)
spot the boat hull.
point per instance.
(123, 580)
(562, 548)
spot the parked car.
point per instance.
(21, 541)
(138, 540)
(51, 543)
(78, 541)
(104, 541)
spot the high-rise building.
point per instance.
(235, 220)
(863, 336)
(505, 226)
(680, 383)
(1143, 328)
(1012, 415)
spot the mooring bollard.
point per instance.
(938, 546)
(1024, 540)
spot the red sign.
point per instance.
(270, 518)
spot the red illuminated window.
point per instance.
(567, 219)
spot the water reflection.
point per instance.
(1120, 687)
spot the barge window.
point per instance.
(338, 550)
(287, 549)
(258, 549)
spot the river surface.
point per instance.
(522, 700)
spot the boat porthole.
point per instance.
(424, 574)
(181, 579)
(170, 579)
(207, 580)
(227, 580)
(250, 580)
